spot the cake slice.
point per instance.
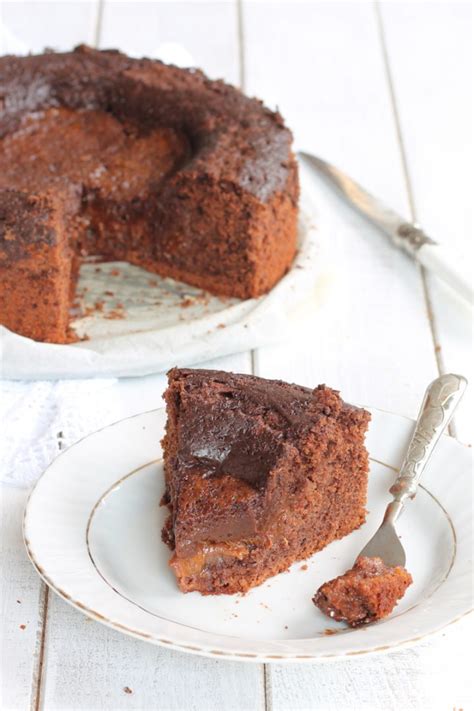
(259, 474)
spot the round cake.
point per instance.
(135, 160)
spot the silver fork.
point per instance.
(441, 399)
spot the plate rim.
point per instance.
(284, 657)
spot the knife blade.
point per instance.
(405, 235)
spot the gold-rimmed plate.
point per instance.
(92, 530)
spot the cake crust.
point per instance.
(259, 474)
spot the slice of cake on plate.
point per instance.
(259, 474)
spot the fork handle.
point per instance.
(441, 399)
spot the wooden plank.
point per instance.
(88, 666)
(55, 24)
(22, 603)
(201, 34)
(101, 666)
(407, 680)
(431, 73)
(372, 338)
(92, 667)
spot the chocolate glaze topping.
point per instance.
(247, 421)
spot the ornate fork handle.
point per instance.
(441, 399)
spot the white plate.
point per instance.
(92, 530)
(165, 322)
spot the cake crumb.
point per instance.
(221, 325)
(304, 567)
(127, 690)
(109, 293)
(328, 632)
(187, 302)
(115, 272)
(23, 627)
(88, 311)
(115, 314)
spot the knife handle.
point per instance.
(447, 267)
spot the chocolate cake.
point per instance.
(259, 473)
(367, 592)
(138, 161)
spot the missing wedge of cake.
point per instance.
(259, 474)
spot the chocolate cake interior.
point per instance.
(112, 168)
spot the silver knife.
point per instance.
(406, 235)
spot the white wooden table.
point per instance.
(382, 90)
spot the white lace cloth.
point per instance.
(38, 419)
